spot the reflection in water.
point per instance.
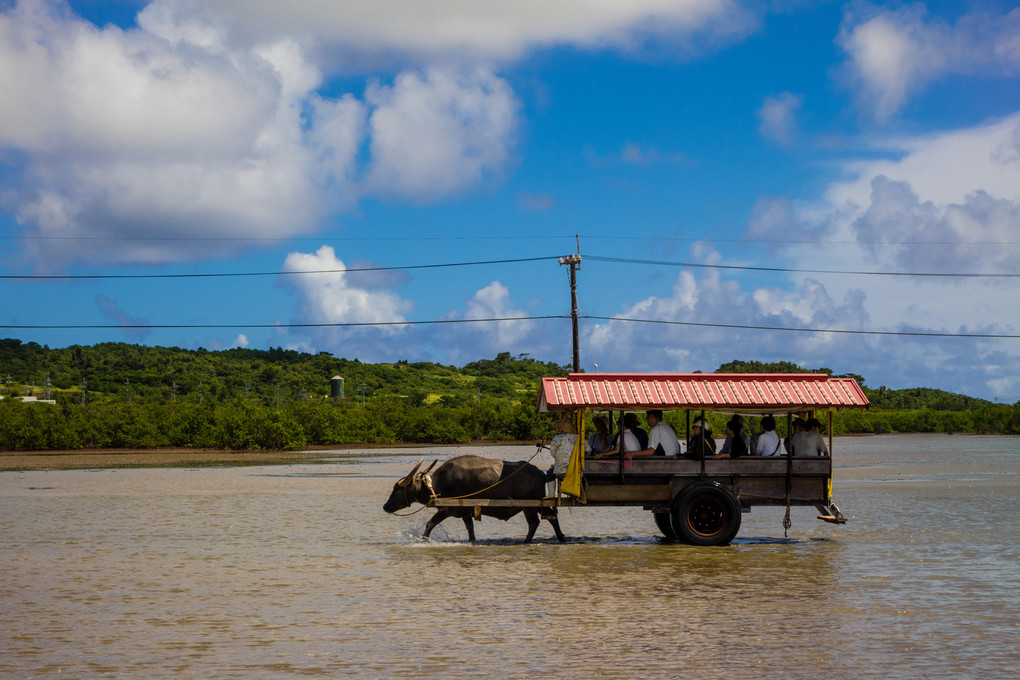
(296, 571)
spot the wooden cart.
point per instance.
(698, 501)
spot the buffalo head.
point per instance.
(408, 489)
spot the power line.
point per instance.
(701, 265)
(51, 277)
(805, 330)
(798, 242)
(351, 324)
(659, 239)
(276, 239)
(595, 258)
(501, 319)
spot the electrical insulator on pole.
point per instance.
(574, 261)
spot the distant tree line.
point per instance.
(918, 409)
(249, 425)
(116, 395)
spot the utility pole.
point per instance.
(575, 263)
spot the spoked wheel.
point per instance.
(706, 513)
(665, 524)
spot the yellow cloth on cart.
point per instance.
(573, 480)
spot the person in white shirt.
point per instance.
(810, 442)
(768, 443)
(627, 437)
(662, 439)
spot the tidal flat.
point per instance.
(294, 570)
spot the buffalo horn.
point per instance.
(426, 470)
(410, 475)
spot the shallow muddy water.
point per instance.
(275, 572)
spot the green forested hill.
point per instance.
(123, 372)
(132, 396)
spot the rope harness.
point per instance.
(787, 522)
(433, 496)
(408, 504)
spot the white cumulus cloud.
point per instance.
(940, 203)
(894, 53)
(466, 29)
(778, 116)
(330, 294)
(136, 135)
(946, 203)
(433, 133)
(699, 325)
(151, 136)
(211, 120)
(493, 302)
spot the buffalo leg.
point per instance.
(469, 524)
(436, 519)
(533, 522)
(555, 522)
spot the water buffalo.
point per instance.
(465, 475)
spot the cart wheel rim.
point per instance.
(707, 516)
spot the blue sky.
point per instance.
(254, 136)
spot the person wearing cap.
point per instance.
(701, 444)
(662, 440)
(562, 445)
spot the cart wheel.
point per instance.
(665, 524)
(706, 513)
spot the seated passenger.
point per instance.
(631, 422)
(662, 440)
(810, 441)
(798, 426)
(562, 445)
(701, 444)
(738, 441)
(737, 420)
(628, 438)
(600, 440)
(815, 426)
(768, 443)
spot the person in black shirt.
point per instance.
(738, 442)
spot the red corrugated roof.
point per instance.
(733, 392)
